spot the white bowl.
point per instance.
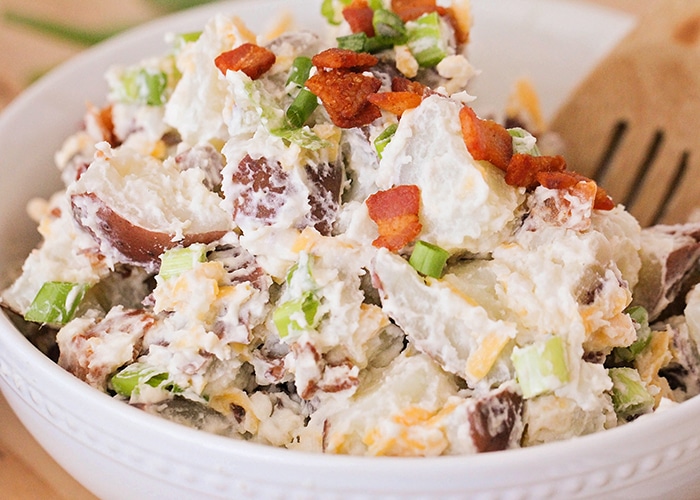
(117, 451)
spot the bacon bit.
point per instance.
(395, 211)
(486, 139)
(523, 169)
(249, 58)
(344, 95)
(408, 10)
(603, 201)
(401, 84)
(335, 58)
(359, 17)
(567, 181)
(395, 102)
(460, 17)
(104, 121)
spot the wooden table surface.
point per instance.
(26, 471)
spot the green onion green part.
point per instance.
(301, 108)
(540, 367)
(176, 261)
(126, 380)
(360, 42)
(184, 38)
(56, 302)
(428, 259)
(640, 317)
(300, 70)
(355, 42)
(384, 138)
(425, 40)
(388, 25)
(143, 86)
(629, 395)
(297, 314)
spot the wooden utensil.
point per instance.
(633, 124)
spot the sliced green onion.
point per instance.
(355, 42)
(389, 25)
(300, 70)
(524, 142)
(305, 101)
(184, 38)
(56, 302)
(297, 314)
(640, 317)
(360, 42)
(332, 10)
(301, 108)
(428, 259)
(126, 380)
(425, 40)
(384, 138)
(143, 86)
(540, 367)
(629, 395)
(176, 261)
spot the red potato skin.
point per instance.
(136, 244)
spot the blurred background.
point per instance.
(40, 34)
(35, 36)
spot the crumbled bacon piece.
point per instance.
(603, 201)
(568, 180)
(408, 10)
(249, 58)
(486, 139)
(395, 102)
(102, 119)
(344, 95)
(359, 17)
(335, 58)
(461, 33)
(80, 353)
(395, 211)
(402, 84)
(523, 169)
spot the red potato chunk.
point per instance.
(135, 244)
(135, 207)
(496, 419)
(265, 193)
(92, 351)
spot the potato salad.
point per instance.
(313, 241)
